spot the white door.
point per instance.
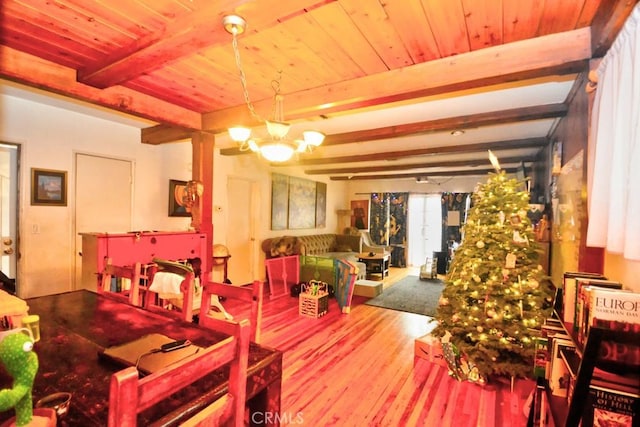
(241, 230)
(8, 216)
(103, 200)
(424, 226)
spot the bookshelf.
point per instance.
(581, 365)
(588, 362)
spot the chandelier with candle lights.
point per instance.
(277, 146)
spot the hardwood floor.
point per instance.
(358, 369)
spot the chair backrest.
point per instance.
(185, 293)
(369, 246)
(130, 272)
(129, 395)
(251, 309)
(282, 272)
(366, 238)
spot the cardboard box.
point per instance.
(12, 310)
(429, 347)
(368, 288)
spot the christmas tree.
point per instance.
(495, 295)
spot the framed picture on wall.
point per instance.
(360, 214)
(48, 187)
(176, 206)
(321, 204)
(302, 203)
(279, 201)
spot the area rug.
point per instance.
(411, 295)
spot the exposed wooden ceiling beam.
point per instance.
(559, 53)
(418, 175)
(184, 36)
(516, 115)
(36, 72)
(422, 165)
(553, 54)
(390, 155)
(161, 134)
(452, 123)
(607, 23)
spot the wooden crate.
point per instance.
(313, 305)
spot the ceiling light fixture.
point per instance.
(277, 147)
(457, 132)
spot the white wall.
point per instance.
(616, 267)
(252, 167)
(50, 137)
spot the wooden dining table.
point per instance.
(76, 327)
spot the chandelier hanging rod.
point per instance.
(236, 25)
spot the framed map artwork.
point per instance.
(321, 204)
(302, 203)
(279, 201)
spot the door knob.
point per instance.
(8, 251)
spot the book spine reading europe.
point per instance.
(582, 285)
(617, 310)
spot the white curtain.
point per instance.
(614, 196)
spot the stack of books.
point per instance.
(591, 300)
(613, 400)
(555, 342)
(570, 293)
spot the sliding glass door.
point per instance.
(424, 227)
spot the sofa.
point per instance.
(317, 252)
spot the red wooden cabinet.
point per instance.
(129, 248)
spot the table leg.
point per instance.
(264, 407)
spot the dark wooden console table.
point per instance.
(76, 326)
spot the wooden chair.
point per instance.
(129, 395)
(239, 299)
(131, 272)
(182, 309)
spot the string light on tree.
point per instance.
(495, 283)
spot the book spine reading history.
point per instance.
(610, 404)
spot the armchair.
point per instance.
(369, 246)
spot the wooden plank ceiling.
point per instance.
(384, 80)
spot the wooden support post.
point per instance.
(202, 147)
